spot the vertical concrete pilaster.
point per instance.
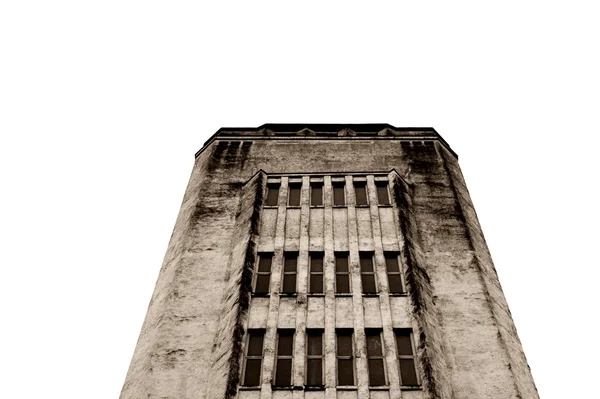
(384, 294)
(329, 260)
(276, 273)
(362, 372)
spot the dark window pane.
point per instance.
(290, 263)
(374, 345)
(361, 193)
(262, 284)
(382, 194)
(408, 375)
(338, 194)
(391, 263)
(283, 373)
(314, 372)
(342, 284)
(316, 263)
(252, 373)
(272, 195)
(315, 344)
(316, 283)
(341, 263)
(403, 343)
(294, 194)
(316, 194)
(395, 283)
(264, 264)
(345, 372)
(289, 283)
(368, 283)
(344, 344)
(366, 263)
(255, 344)
(376, 372)
(286, 344)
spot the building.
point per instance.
(328, 261)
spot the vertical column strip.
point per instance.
(302, 303)
(384, 293)
(276, 270)
(329, 260)
(362, 372)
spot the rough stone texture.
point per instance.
(192, 337)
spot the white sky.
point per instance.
(103, 105)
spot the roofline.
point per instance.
(330, 127)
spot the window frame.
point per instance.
(289, 332)
(319, 184)
(361, 185)
(294, 186)
(345, 255)
(249, 332)
(321, 357)
(386, 185)
(312, 255)
(284, 273)
(379, 333)
(387, 255)
(406, 332)
(271, 186)
(340, 332)
(257, 272)
(339, 185)
(364, 255)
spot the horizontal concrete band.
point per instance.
(327, 132)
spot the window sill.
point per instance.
(411, 388)
(260, 295)
(316, 294)
(314, 387)
(245, 388)
(343, 294)
(294, 206)
(317, 206)
(385, 205)
(270, 206)
(362, 206)
(380, 388)
(369, 294)
(288, 294)
(339, 206)
(347, 388)
(282, 388)
(398, 294)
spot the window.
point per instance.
(375, 357)
(342, 273)
(272, 194)
(262, 275)
(316, 194)
(285, 356)
(360, 189)
(290, 264)
(294, 194)
(314, 358)
(406, 357)
(345, 357)
(393, 272)
(383, 196)
(315, 280)
(253, 358)
(339, 198)
(367, 273)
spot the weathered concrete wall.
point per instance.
(191, 339)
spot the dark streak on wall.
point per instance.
(227, 352)
(431, 351)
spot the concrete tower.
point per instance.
(328, 261)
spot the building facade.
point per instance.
(328, 261)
